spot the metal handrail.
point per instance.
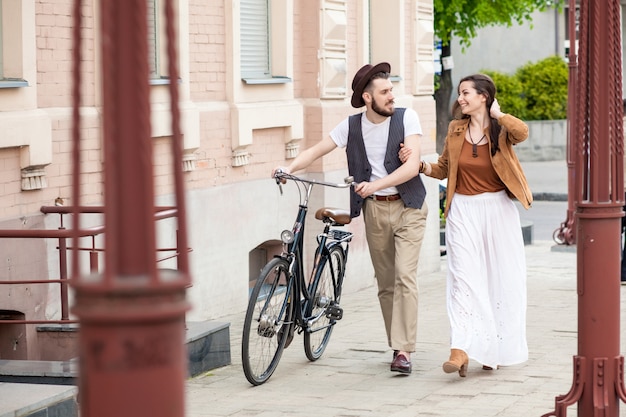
(160, 213)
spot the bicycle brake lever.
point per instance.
(278, 182)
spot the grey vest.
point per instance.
(412, 192)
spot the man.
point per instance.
(391, 195)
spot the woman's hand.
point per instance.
(404, 153)
(495, 111)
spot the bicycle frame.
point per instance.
(293, 252)
(284, 300)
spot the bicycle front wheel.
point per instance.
(323, 310)
(266, 326)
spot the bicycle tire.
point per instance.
(326, 292)
(266, 325)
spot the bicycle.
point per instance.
(283, 302)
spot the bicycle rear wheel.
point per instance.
(323, 309)
(266, 326)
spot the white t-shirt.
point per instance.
(375, 137)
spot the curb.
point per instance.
(550, 196)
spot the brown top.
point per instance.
(476, 175)
(505, 161)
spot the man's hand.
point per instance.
(279, 169)
(365, 189)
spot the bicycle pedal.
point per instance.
(334, 312)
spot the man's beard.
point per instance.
(381, 111)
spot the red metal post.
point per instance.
(598, 367)
(65, 312)
(132, 334)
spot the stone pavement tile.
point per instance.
(352, 378)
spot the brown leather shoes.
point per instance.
(401, 364)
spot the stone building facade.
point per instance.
(237, 125)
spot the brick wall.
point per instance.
(233, 208)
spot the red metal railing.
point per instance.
(63, 235)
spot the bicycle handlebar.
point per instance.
(279, 175)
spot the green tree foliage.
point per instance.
(462, 19)
(536, 91)
(510, 93)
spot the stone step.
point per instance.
(208, 346)
(37, 400)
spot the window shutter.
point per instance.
(152, 39)
(255, 39)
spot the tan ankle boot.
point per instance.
(458, 362)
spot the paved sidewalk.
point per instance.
(353, 379)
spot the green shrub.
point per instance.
(510, 93)
(545, 88)
(537, 91)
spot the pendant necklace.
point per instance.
(474, 145)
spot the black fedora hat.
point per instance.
(361, 79)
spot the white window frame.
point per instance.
(157, 52)
(385, 14)
(11, 58)
(24, 125)
(257, 41)
(1, 46)
(254, 101)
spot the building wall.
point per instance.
(505, 49)
(234, 133)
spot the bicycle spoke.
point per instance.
(324, 310)
(264, 332)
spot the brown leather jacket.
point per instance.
(504, 162)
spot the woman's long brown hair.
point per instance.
(484, 85)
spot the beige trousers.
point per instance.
(394, 235)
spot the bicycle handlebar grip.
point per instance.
(278, 174)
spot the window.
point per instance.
(153, 43)
(1, 53)
(255, 34)
(156, 42)
(13, 45)
(262, 54)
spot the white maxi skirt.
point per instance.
(486, 280)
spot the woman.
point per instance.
(486, 284)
